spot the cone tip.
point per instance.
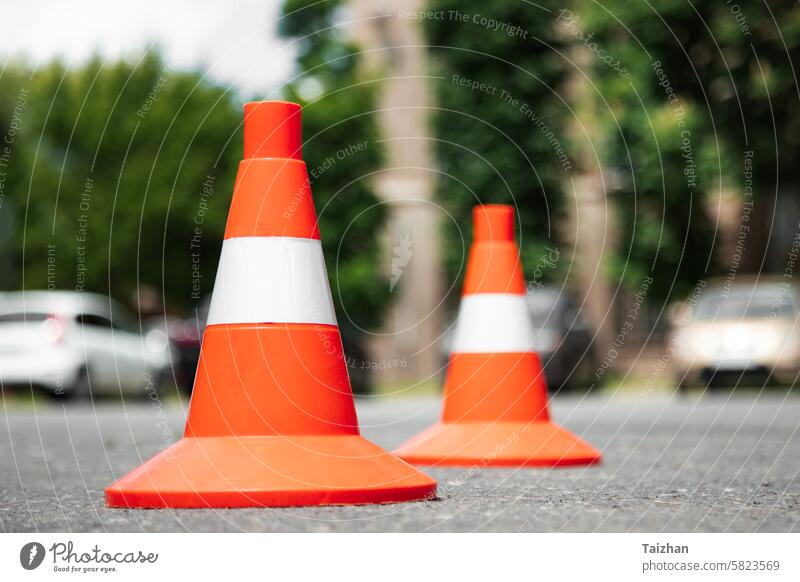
(493, 223)
(272, 129)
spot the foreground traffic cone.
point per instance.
(272, 420)
(495, 396)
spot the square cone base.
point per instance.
(270, 471)
(497, 444)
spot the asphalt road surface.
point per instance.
(721, 462)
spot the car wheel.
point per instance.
(581, 377)
(165, 386)
(79, 389)
(587, 373)
(360, 382)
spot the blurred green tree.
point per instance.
(119, 177)
(711, 93)
(500, 122)
(121, 173)
(684, 99)
(342, 152)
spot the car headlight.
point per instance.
(692, 343)
(768, 341)
(156, 341)
(53, 329)
(738, 340)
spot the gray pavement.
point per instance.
(722, 462)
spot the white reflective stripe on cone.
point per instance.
(270, 279)
(493, 323)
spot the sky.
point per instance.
(235, 42)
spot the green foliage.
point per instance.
(121, 173)
(342, 152)
(499, 141)
(724, 73)
(106, 177)
(730, 65)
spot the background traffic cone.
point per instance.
(272, 420)
(495, 396)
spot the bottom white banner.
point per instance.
(405, 557)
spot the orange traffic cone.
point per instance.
(272, 420)
(495, 396)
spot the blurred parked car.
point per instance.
(746, 328)
(184, 336)
(73, 344)
(562, 339)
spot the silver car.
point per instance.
(750, 327)
(76, 344)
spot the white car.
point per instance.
(730, 331)
(77, 344)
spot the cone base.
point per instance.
(497, 444)
(270, 471)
